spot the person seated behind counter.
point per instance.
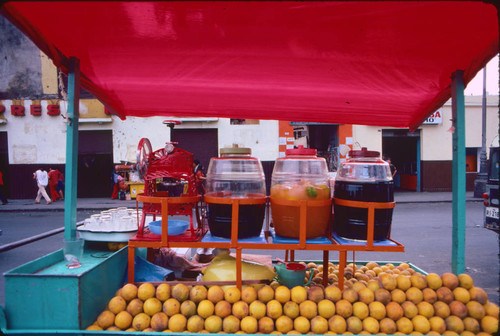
(119, 184)
(393, 167)
(199, 177)
(203, 255)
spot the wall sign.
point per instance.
(434, 119)
(35, 110)
(53, 110)
(17, 110)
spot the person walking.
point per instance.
(2, 196)
(60, 184)
(42, 180)
(53, 179)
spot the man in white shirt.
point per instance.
(42, 180)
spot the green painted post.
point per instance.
(458, 173)
(72, 149)
(419, 180)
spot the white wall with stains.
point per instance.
(436, 140)
(42, 139)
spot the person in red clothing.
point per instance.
(60, 183)
(199, 176)
(53, 181)
(2, 196)
(119, 185)
(116, 186)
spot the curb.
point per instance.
(97, 207)
(439, 201)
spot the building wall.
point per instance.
(28, 77)
(33, 139)
(41, 140)
(367, 136)
(436, 141)
(20, 64)
(473, 120)
(261, 138)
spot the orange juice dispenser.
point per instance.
(298, 176)
(364, 177)
(235, 175)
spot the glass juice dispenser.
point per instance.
(367, 178)
(300, 175)
(235, 174)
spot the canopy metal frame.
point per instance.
(461, 56)
(458, 113)
(458, 173)
(70, 207)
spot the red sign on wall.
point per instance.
(17, 110)
(434, 119)
(35, 110)
(53, 110)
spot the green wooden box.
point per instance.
(45, 294)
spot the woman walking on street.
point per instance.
(53, 179)
(60, 184)
(42, 180)
(2, 196)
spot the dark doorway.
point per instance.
(95, 163)
(203, 143)
(403, 148)
(4, 163)
(324, 138)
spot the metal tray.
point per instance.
(111, 236)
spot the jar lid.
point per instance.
(363, 153)
(301, 151)
(236, 150)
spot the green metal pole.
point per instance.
(72, 149)
(419, 180)
(458, 174)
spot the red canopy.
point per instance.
(372, 63)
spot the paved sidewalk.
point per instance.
(107, 203)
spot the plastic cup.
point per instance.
(88, 224)
(122, 212)
(73, 252)
(128, 223)
(106, 223)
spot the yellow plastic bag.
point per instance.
(223, 268)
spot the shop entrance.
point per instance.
(4, 163)
(403, 148)
(203, 143)
(322, 137)
(95, 163)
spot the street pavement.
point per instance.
(400, 197)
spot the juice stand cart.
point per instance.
(283, 60)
